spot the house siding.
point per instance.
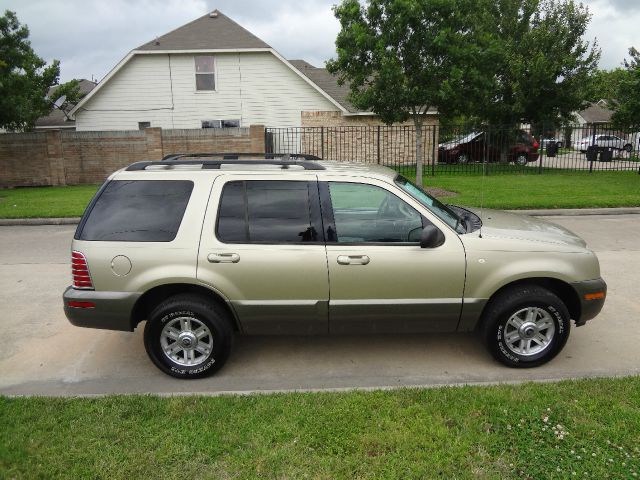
(255, 88)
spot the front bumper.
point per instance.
(111, 310)
(592, 294)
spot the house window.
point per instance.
(205, 74)
(220, 123)
(143, 125)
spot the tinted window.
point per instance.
(138, 211)
(366, 213)
(266, 211)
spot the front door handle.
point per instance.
(223, 258)
(353, 259)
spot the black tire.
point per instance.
(522, 159)
(497, 326)
(200, 315)
(628, 148)
(463, 158)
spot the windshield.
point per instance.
(443, 212)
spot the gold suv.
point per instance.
(204, 248)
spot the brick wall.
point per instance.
(364, 138)
(24, 159)
(69, 158)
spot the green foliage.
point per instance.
(71, 93)
(606, 85)
(543, 72)
(24, 77)
(627, 109)
(403, 57)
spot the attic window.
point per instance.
(205, 73)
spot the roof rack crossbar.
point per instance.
(238, 155)
(215, 164)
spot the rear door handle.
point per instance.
(353, 259)
(223, 258)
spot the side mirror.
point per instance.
(431, 237)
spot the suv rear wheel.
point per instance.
(188, 336)
(525, 326)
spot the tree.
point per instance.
(25, 78)
(627, 108)
(402, 58)
(606, 85)
(544, 68)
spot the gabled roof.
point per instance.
(327, 82)
(215, 32)
(596, 113)
(211, 31)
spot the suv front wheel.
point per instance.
(526, 326)
(187, 336)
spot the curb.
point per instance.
(575, 212)
(558, 212)
(9, 222)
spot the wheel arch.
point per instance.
(152, 297)
(563, 290)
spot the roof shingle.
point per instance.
(327, 82)
(210, 32)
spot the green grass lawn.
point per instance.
(549, 190)
(44, 202)
(573, 429)
(553, 189)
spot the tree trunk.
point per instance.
(418, 125)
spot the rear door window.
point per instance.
(137, 211)
(267, 211)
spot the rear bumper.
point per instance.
(590, 307)
(112, 310)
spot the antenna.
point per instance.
(58, 103)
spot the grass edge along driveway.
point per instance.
(571, 429)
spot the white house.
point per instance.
(208, 73)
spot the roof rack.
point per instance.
(238, 155)
(216, 164)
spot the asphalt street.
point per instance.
(42, 354)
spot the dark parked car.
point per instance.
(474, 147)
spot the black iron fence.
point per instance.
(448, 150)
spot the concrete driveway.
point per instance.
(41, 353)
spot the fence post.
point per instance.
(541, 150)
(153, 137)
(593, 144)
(434, 152)
(378, 144)
(55, 158)
(322, 143)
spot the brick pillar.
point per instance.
(154, 143)
(256, 136)
(55, 158)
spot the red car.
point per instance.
(473, 148)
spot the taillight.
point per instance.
(536, 145)
(80, 271)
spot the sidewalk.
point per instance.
(561, 212)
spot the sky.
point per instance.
(90, 37)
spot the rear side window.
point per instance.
(137, 211)
(265, 211)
